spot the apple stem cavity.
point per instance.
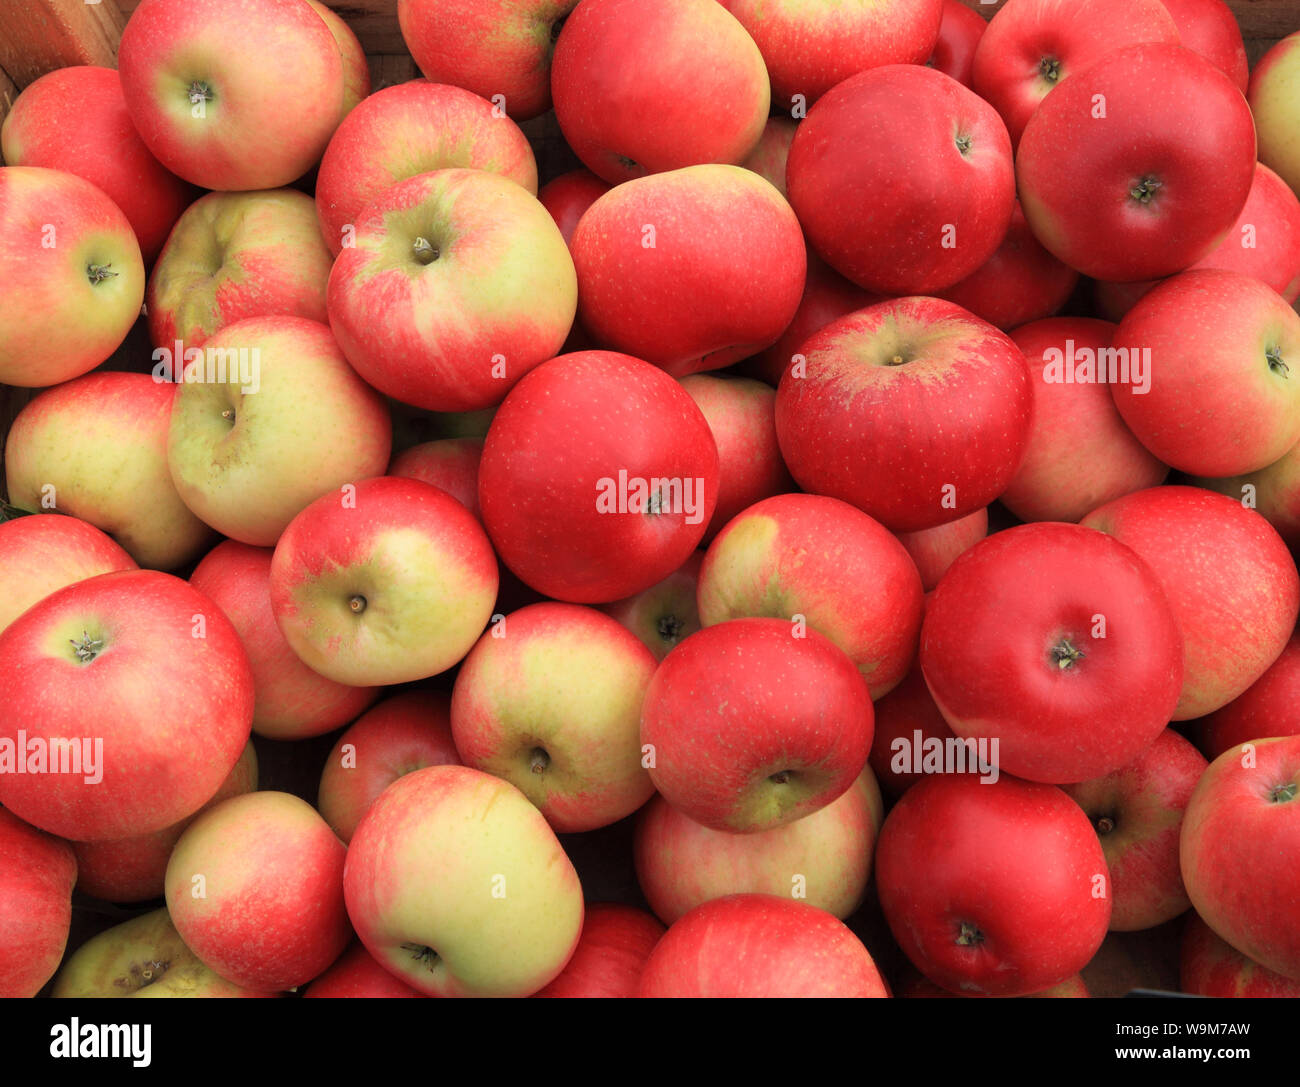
(539, 760)
(1275, 363)
(1145, 189)
(969, 935)
(1283, 793)
(86, 648)
(425, 252)
(1065, 654)
(97, 273)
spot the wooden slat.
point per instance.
(387, 69)
(8, 92)
(37, 36)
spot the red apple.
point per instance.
(769, 156)
(1273, 491)
(909, 727)
(935, 549)
(356, 974)
(616, 941)
(568, 197)
(37, 872)
(1208, 966)
(448, 463)
(1209, 27)
(1268, 707)
(666, 613)
(960, 32)
(356, 69)
(919, 987)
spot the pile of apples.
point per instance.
(662, 493)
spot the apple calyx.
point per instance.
(97, 273)
(141, 975)
(539, 760)
(963, 142)
(627, 163)
(1050, 69)
(422, 953)
(1282, 793)
(1065, 654)
(781, 777)
(229, 413)
(1274, 356)
(1145, 188)
(670, 629)
(969, 935)
(357, 603)
(86, 648)
(425, 252)
(199, 92)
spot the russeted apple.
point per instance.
(754, 723)
(550, 700)
(37, 873)
(611, 954)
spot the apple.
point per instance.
(819, 561)
(74, 274)
(666, 613)
(247, 451)
(41, 554)
(1236, 847)
(75, 119)
(754, 723)
(997, 889)
(960, 31)
(1032, 46)
(390, 580)
(232, 97)
(80, 686)
(741, 413)
(1127, 195)
(448, 463)
(1268, 707)
(96, 448)
(823, 859)
(459, 887)
(1220, 398)
(1137, 812)
(456, 242)
(656, 265)
(405, 732)
(1272, 98)
(1209, 27)
(908, 724)
(757, 945)
(1237, 612)
(232, 256)
(37, 873)
(1208, 966)
(568, 197)
(356, 69)
(1273, 491)
(902, 179)
(255, 889)
(409, 129)
(550, 701)
(500, 49)
(134, 869)
(598, 479)
(1060, 643)
(356, 974)
(919, 987)
(1019, 283)
(290, 701)
(769, 156)
(616, 941)
(142, 957)
(937, 401)
(811, 45)
(935, 549)
(1080, 453)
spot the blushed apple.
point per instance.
(1272, 97)
(449, 463)
(356, 974)
(960, 31)
(667, 612)
(611, 954)
(1209, 27)
(935, 549)
(356, 69)
(1268, 707)
(1209, 966)
(37, 873)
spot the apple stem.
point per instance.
(781, 777)
(422, 953)
(540, 760)
(357, 603)
(425, 252)
(1275, 363)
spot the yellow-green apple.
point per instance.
(911, 738)
(1273, 491)
(356, 974)
(1275, 106)
(616, 941)
(290, 701)
(902, 179)
(1137, 812)
(758, 945)
(666, 613)
(37, 873)
(40, 554)
(133, 869)
(598, 478)
(248, 451)
(459, 887)
(741, 413)
(823, 859)
(413, 128)
(937, 401)
(811, 45)
(75, 119)
(819, 561)
(233, 256)
(1126, 195)
(568, 196)
(255, 889)
(935, 549)
(388, 581)
(74, 276)
(92, 745)
(463, 242)
(1032, 46)
(142, 957)
(1212, 337)
(960, 31)
(1209, 966)
(449, 463)
(404, 733)
(754, 723)
(769, 156)
(655, 259)
(550, 700)
(1240, 835)
(998, 888)
(96, 448)
(1059, 643)
(232, 96)
(500, 49)
(1268, 707)
(1237, 612)
(1209, 27)
(700, 95)
(356, 69)
(1021, 282)
(1080, 453)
